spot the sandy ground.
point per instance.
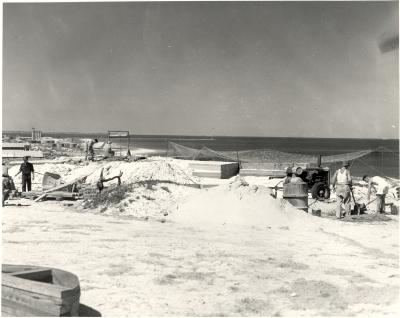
(130, 267)
(207, 260)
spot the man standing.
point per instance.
(90, 149)
(381, 187)
(108, 150)
(26, 169)
(342, 182)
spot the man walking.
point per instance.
(381, 187)
(27, 170)
(342, 182)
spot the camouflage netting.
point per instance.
(206, 154)
(258, 155)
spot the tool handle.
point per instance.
(352, 195)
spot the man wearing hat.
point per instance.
(342, 182)
(27, 170)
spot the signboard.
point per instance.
(118, 134)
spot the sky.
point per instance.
(301, 69)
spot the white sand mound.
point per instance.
(237, 203)
(156, 169)
(154, 186)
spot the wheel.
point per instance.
(320, 191)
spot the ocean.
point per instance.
(384, 163)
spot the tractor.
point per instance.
(317, 179)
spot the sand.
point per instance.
(229, 250)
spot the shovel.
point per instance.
(358, 208)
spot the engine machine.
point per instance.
(318, 180)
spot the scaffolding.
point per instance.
(122, 136)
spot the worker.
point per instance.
(342, 183)
(8, 187)
(288, 175)
(8, 184)
(28, 174)
(5, 169)
(90, 149)
(108, 150)
(381, 187)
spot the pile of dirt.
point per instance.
(238, 203)
(156, 169)
(149, 189)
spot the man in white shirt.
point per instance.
(381, 187)
(341, 183)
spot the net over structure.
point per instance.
(257, 156)
(205, 154)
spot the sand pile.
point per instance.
(150, 188)
(155, 169)
(238, 203)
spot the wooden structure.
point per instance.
(121, 135)
(214, 169)
(38, 291)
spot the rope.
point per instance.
(352, 163)
(371, 167)
(390, 150)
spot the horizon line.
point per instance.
(182, 135)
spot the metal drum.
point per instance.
(296, 194)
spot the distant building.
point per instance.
(15, 146)
(10, 153)
(36, 135)
(48, 141)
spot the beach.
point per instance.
(168, 248)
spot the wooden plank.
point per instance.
(51, 305)
(11, 308)
(57, 306)
(33, 286)
(57, 188)
(6, 268)
(40, 197)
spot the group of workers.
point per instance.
(27, 170)
(342, 183)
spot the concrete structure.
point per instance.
(214, 169)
